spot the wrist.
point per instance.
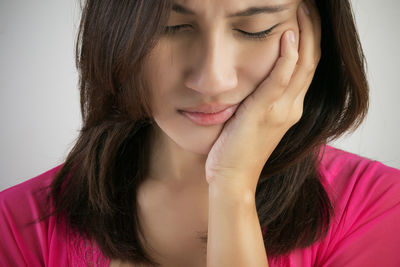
(231, 193)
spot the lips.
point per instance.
(208, 108)
(213, 115)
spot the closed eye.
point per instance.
(261, 35)
(250, 35)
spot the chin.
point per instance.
(190, 137)
(198, 144)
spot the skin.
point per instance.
(208, 64)
(233, 167)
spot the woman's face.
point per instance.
(211, 60)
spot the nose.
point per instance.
(212, 69)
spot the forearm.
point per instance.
(234, 232)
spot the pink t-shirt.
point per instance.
(365, 230)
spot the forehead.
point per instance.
(230, 8)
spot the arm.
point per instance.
(234, 232)
(235, 161)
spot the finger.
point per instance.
(315, 18)
(278, 80)
(309, 50)
(310, 24)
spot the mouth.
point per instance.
(210, 118)
(208, 108)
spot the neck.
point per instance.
(172, 164)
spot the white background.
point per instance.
(39, 101)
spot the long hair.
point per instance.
(95, 190)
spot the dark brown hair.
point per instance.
(95, 190)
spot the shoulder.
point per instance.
(25, 201)
(366, 197)
(336, 161)
(27, 236)
(349, 175)
(29, 187)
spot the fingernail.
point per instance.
(291, 37)
(305, 8)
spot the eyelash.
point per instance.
(256, 35)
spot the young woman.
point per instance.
(204, 135)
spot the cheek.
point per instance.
(159, 81)
(258, 60)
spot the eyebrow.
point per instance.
(244, 13)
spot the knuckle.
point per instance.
(269, 112)
(310, 67)
(282, 81)
(295, 56)
(298, 113)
